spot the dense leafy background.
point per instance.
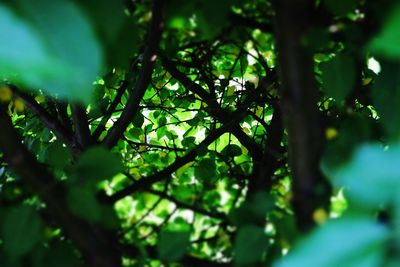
(157, 134)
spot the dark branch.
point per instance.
(49, 121)
(111, 109)
(144, 76)
(145, 183)
(214, 108)
(133, 143)
(60, 108)
(96, 245)
(299, 103)
(133, 251)
(192, 207)
(264, 169)
(81, 125)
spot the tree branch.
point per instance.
(133, 251)
(145, 183)
(138, 144)
(111, 109)
(193, 207)
(97, 246)
(214, 108)
(144, 76)
(299, 103)
(51, 122)
(60, 108)
(264, 169)
(81, 125)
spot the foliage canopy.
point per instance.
(199, 133)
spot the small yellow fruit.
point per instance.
(366, 81)
(320, 216)
(331, 133)
(19, 105)
(5, 93)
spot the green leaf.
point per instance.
(57, 155)
(232, 151)
(125, 45)
(189, 141)
(206, 170)
(251, 242)
(253, 210)
(106, 16)
(316, 39)
(97, 164)
(211, 16)
(45, 63)
(21, 230)
(371, 178)
(387, 42)
(338, 151)
(134, 134)
(162, 121)
(350, 242)
(118, 32)
(60, 255)
(386, 97)
(138, 120)
(341, 7)
(83, 203)
(185, 193)
(30, 67)
(338, 77)
(172, 245)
